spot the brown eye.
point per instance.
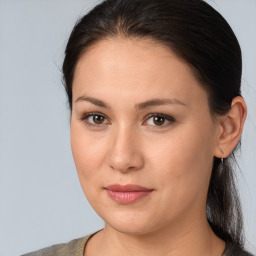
(97, 119)
(94, 119)
(158, 120)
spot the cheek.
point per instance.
(183, 162)
(87, 152)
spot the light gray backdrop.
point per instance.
(41, 202)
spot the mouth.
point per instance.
(127, 194)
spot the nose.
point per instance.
(125, 150)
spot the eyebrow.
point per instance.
(158, 102)
(94, 101)
(140, 106)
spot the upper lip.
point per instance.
(127, 188)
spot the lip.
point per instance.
(127, 194)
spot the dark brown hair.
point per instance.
(201, 36)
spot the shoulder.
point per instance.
(74, 247)
(235, 250)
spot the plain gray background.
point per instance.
(41, 202)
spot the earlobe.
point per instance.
(231, 128)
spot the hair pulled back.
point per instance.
(199, 35)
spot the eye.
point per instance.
(160, 120)
(94, 119)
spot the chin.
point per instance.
(129, 229)
(132, 224)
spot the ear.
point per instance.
(231, 127)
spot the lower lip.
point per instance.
(127, 197)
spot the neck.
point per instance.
(191, 238)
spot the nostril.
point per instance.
(134, 164)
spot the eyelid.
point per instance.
(85, 117)
(169, 118)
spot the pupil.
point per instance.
(159, 120)
(98, 119)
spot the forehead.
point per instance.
(134, 67)
(119, 54)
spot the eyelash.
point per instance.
(170, 119)
(85, 119)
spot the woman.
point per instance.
(156, 114)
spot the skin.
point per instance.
(127, 146)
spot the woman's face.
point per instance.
(142, 136)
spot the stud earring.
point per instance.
(222, 152)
